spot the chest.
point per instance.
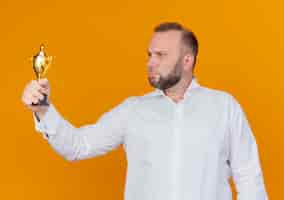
(154, 132)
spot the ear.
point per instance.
(188, 61)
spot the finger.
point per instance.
(32, 100)
(44, 90)
(29, 102)
(26, 100)
(35, 89)
(35, 100)
(38, 95)
(27, 97)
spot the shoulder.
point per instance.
(144, 97)
(215, 94)
(218, 98)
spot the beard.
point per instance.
(165, 82)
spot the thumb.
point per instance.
(43, 82)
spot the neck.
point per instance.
(176, 93)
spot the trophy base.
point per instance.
(42, 102)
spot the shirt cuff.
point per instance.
(49, 122)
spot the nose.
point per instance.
(152, 63)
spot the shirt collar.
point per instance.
(194, 84)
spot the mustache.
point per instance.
(152, 72)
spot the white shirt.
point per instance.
(175, 151)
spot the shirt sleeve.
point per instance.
(86, 141)
(243, 157)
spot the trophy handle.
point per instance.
(48, 62)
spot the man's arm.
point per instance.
(244, 158)
(89, 140)
(71, 142)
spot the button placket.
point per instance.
(176, 151)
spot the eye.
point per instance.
(160, 54)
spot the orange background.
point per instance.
(100, 59)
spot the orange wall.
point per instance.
(100, 59)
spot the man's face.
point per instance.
(165, 64)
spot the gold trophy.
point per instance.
(41, 63)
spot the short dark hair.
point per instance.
(188, 37)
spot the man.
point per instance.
(183, 141)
